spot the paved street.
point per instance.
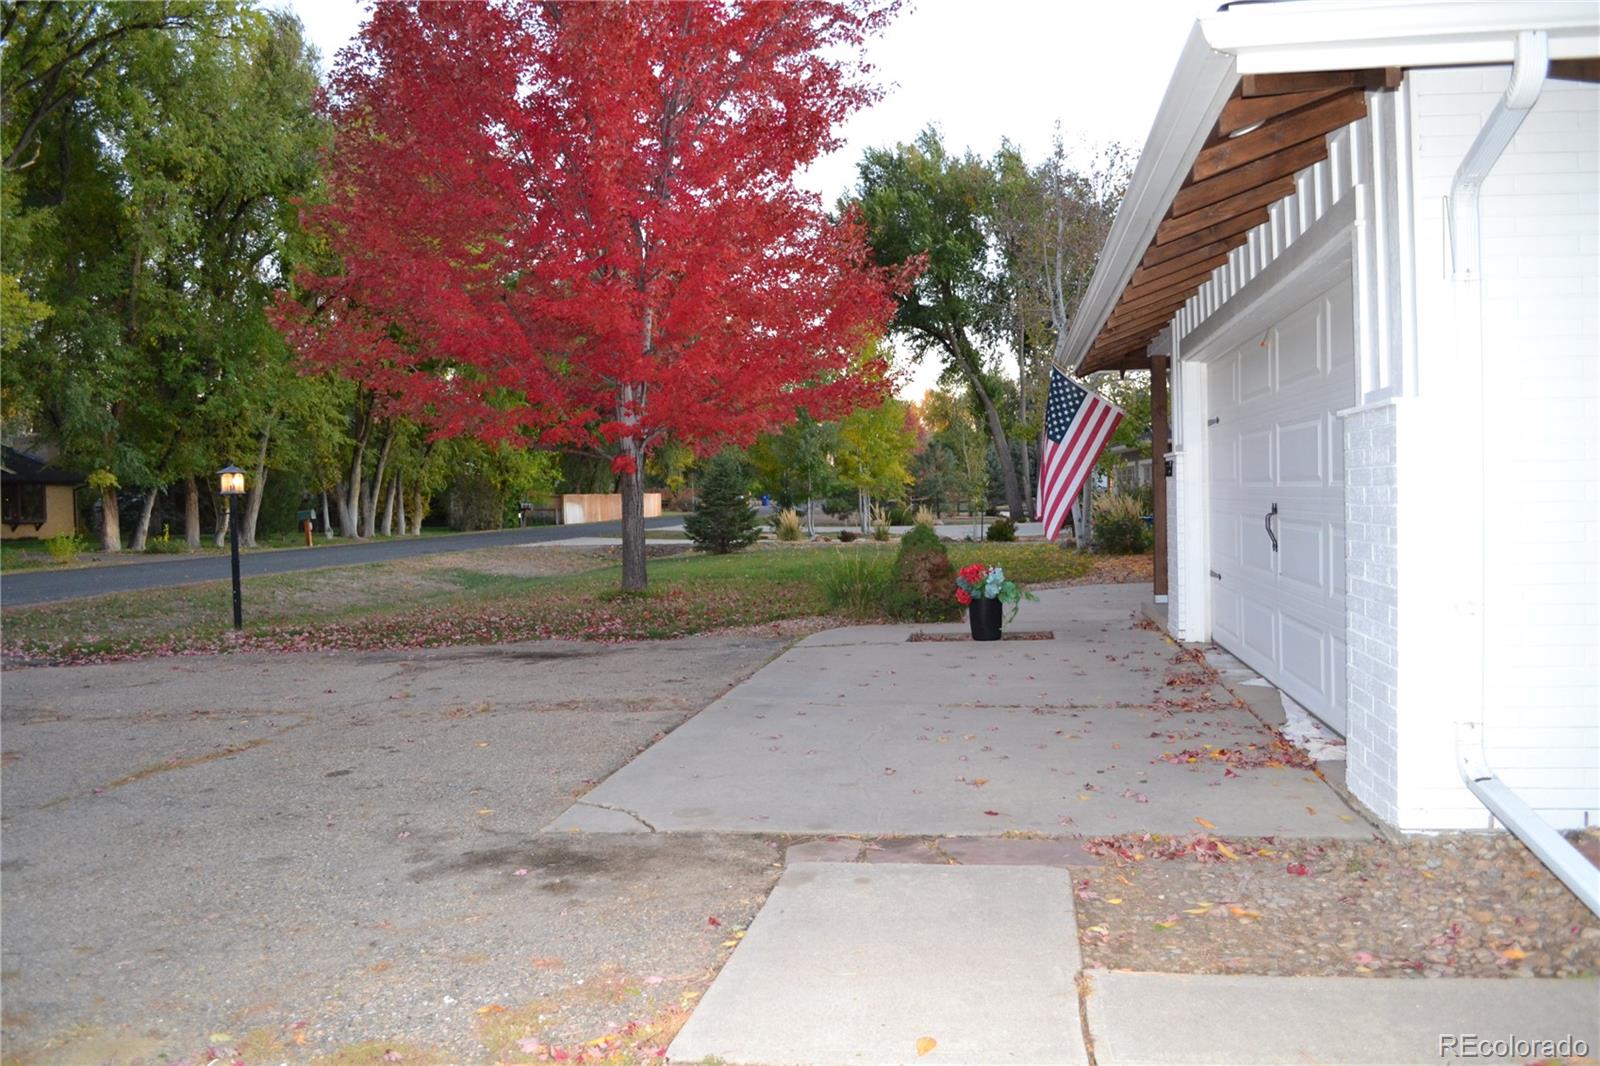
(45, 586)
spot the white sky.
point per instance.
(980, 70)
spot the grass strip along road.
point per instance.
(46, 586)
(490, 597)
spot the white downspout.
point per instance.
(1527, 81)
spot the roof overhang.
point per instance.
(1257, 88)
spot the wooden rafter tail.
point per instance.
(1242, 112)
(1160, 292)
(1234, 227)
(1252, 85)
(1315, 121)
(1151, 322)
(1223, 210)
(1232, 183)
(1213, 251)
(1153, 311)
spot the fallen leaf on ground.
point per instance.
(713, 921)
(1240, 912)
(1514, 954)
(992, 814)
(1298, 869)
(925, 1044)
(1203, 823)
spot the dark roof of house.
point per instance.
(20, 467)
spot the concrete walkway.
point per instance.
(950, 940)
(862, 730)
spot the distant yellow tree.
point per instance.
(875, 444)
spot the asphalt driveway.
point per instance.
(303, 852)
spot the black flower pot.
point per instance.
(984, 615)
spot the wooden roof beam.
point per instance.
(1318, 120)
(1230, 183)
(1252, 85)
(1233, 227)
(1214, 250)
(1134, 299)
(1222, 211)
(1153, 317)
(1242, 112)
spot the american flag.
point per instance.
(1077, 424)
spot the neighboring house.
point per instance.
(36, 499)
(1360, 249)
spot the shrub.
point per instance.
(723, 520)
(924, 517)
(899, 516)
(847, 535)
(788, 526)
(163, 546)
(1119, 525)
(880, 523)
(922, 587)
(64, 547)
(856, 582)
(841, 505)
(1002, 529)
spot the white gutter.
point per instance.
(1308, 35)
(1201, 85)
(1531, 66)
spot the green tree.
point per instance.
(723, 520)
(920, 202)
(156, 151)
(794, 465)
(874, 446)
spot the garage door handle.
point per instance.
(1268, 521)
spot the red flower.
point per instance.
(975, 573)
(963, 597)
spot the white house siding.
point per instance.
(1519, 588)
(1449, 614)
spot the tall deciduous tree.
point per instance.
(923, 204)
(874, 446)
(579, 222)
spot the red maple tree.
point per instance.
(577, 225)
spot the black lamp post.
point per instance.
(231, 480)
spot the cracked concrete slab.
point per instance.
(850, 964)
(927, 739)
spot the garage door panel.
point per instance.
(1299, 351)
(1336, 571)
(1255, 551)
(1303, 553)
(1222, 383)
(1258, 628)
(1224, 539)
(1305, 657)
(1255, 458)
(1300, 446)
(1224, 614)
(1255, 371)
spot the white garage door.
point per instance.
(1277, 501)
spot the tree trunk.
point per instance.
(370, 489)
(327, 519)
(997, 433)
(864, 504)
(388, 506)
(350, 491)
(110, 521)
(222, 511)
(633, 568)
(400, 502)
(252, 509)
(419, 508)
(141, 532)
(191, 513)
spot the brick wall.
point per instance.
(1372, 604)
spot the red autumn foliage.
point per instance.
(577, 224)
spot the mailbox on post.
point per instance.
(307, 517)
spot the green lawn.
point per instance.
(492, 596)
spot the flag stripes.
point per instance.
(1078, 423)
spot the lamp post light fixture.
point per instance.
(230, 484)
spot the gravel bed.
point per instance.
(1462, 905)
